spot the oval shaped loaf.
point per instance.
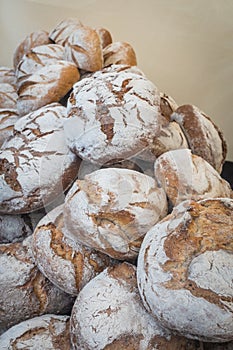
(24, 291)
(119, 52)
(112, 116)
(67, 264)
(184, 175)
(108, 314)
(35, 164)
(185, 270)
(112, 209)
(47, 332)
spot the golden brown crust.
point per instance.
(105, 36)
(119, 53)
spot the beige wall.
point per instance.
(184, 46)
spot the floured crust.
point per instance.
(204, 137)
(14, 228)
(63, 30)
(67, 264)
(8, 118)
(46, 85)
(84, 48)
(114, 115)
(35, 164)
(117, 317)
(185, 270)
(167, 105)
(105, 36)
(8, 96)
(26, 292)
(119, 52)
(7, 75)
(47, 332)
(184, 175)
(112, 209)
(36, 58)
(33, 39)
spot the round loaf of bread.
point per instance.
(47, 332)
(7, 75)
(204, 137)
(84, 48)
(46, 85)
(119, 52)
(67, 264)
(8, 118)
(184, 175)
(185, 270)
(24, 291)
(108, 314)
(36, 58)
(63, 30)
(15, 228)
(37, 38)
(112, 209)
(8, 96)
(112, 116)
(105, 36)
(35, 164)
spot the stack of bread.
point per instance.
(115, 222)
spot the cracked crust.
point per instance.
(112, 209)
(184, 175)
(35, 164)
(63, 30)
(8, 118)
(8, 96)
(112, 115)
(26, 291)
(7, 75)
(50, 332)
(116, 318)
(67, 264)
(185, 270)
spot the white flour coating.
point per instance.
(112, 208)
(8, 118)
(45, 332)
(83, 47)
(14, 228)
(39, 157)
(7, 75)
(113, 116)
(63, 270)
(179, 309)
(24, 291)
(206, 140)
(108, 309)
(37, 58)
(119, 52)
(8, 96)
(46, 85)
(187, 176)
(117, 68)
(63, 30)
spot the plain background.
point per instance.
(184, 46)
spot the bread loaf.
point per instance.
(8, 118)
(105, 36)
(67, 264)
(63, 30)
(119, 52)
(8, 96)
(108, 314)
(112, 209)
(185, 270)
(167, 105)
(47, 332)
(35, 164)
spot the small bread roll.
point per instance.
(47, 332)
(112, 209)
(36, 58)
(24, 291)
(8, 118)
(35, 164)
(67, 264)
(48, 84)
(7, 75)
(185, 270)
(8, 96)
(63, 30)
(204, 137)
(108, 314)
(184, 175)
(37, 38)
(15, 228)
(113, 116)
(119, 52)
(105, 36)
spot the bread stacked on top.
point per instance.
(115, 223)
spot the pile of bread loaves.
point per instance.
(116, 227)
